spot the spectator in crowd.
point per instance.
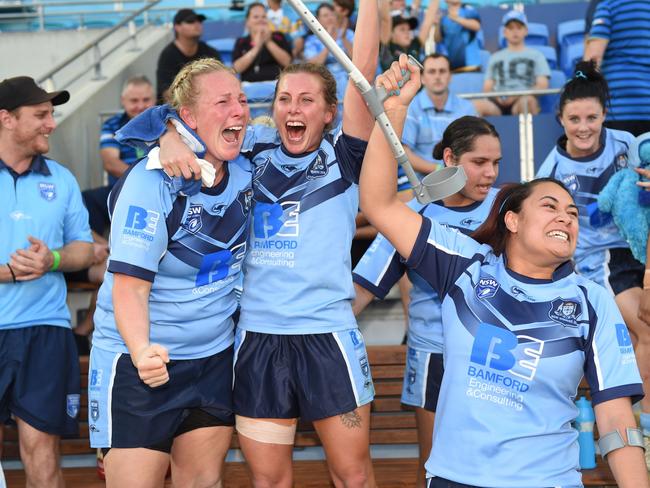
(520, 330)
(137, 96)
(619, 42)
(261, 54)
(516, 67)
(400, 7)
(397, 34)
(458, 32)
(186, 47)
(45, 232)
(431, 111)
(345, 13)
(317, 53)
(584, 159)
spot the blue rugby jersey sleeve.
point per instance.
(139, 235)
(441, 254)
(601, 25)
(76, 225)
(144, 130)
(379, 268)
(349, 153)
(610, 365)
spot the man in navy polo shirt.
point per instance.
(44, 228)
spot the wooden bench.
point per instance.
(390, 424)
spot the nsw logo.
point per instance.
(486, 288)
(318, 167)
(565, 312)
(94, 410)
(47, 191)
(193, 222)
(72, 405)
(571, 182)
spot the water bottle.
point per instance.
(585, 426)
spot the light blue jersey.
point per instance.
(297, 272)
(44, 202)
(190, 248)
(297, 276)
(515, 351)
(585, 178)
(381, 267)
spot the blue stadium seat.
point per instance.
(569, 55)
(224, 47)
(538, 35)
(259, 92)
(548, 103)
(485, 59)
(549, 54)
(570, 32)
(467, 83)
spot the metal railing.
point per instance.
(98, 55)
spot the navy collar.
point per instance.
(562, 271)
(38, 165)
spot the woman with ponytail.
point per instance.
(473, 143)
(584, 159)
(520, 329)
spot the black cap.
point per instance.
(411, 21)
(23, 90)
(187, 15)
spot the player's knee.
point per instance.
(353, 476)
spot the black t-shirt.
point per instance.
(264, 67)
(171, 60)
(390, 52)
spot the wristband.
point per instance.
(13, 275)
(56, 261)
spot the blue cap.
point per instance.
(514, 15)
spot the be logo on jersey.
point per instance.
(47, 191)
(140, 227)
(486, 288)
(565, 312)
(193, 222)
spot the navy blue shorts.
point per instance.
(40, 379)
(311, 376)
(123, 412)
(422, 379)
(444, 483)
(615, 269)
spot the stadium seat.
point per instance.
(467, 83)
(259, 92)
(485, 59)
(549, 53)
(538, 35)
(225, 47)
(570, 32)
(569, 55)
(548, 103)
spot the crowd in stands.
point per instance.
(316, 112)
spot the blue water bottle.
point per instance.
(585, 426)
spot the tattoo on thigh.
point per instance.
(351, 420)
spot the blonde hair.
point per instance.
(263, 120)
(183, 91)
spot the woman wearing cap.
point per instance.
(520, 328)
(397, 36)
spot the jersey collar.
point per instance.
(562, 271)
(38, 165)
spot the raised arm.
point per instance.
(627, 463)
(428, 22)
(378, 182)
(385, 22)
(357, 120)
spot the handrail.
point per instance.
(95, 46)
